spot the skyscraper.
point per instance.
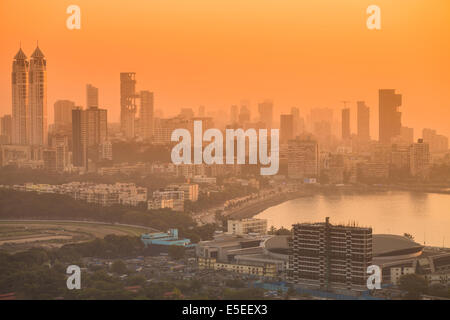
(346, 124)
(91, 96)
(146, 114)
(286, 128)
(20, 110)
(63, 115)
(363, 121)
(128, 103)
(266, 113)
(97, 126)
(37, 98)
(390, 118)
(89, 130)
(79, 135)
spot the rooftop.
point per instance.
(390, 244)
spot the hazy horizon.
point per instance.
(305, 55)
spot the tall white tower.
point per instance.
(37, 98)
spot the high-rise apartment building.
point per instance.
(346, 124)
(146, 114)
(363, 119)
(390, 118)
(91, 96)
(37, 98)
(79, 136)
(438, 143)
(303, 158)
(407, 135)
(60, 144)
(97, 126)
(286, 128)
(20, 109)
(128, 103)
(419, 157)
(265, 110)
(330, 257)
(89, 131)
(63, 115)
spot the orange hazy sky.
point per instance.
(300, 53)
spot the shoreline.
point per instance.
(254, 209)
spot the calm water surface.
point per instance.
(424, 215)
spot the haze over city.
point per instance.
(216, 53)
(224, 150)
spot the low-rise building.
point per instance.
(101, 194)
(268, 270)
(160, 242)
(190, 190)
(246, 226)
(177, 197)
(397, 273)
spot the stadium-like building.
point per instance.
(395, 254)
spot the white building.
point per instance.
(246, 226)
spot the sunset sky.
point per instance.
(216, 52)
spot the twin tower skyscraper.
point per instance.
(29, 98)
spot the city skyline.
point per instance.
(263, 110)
(225, 150)
(181, 75)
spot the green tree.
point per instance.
(414, 285)
(176, 252)
(119, 267)
(272, 230)
(439, 290)
(408, 236)
(136, 280)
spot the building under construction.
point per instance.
(330, 257)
